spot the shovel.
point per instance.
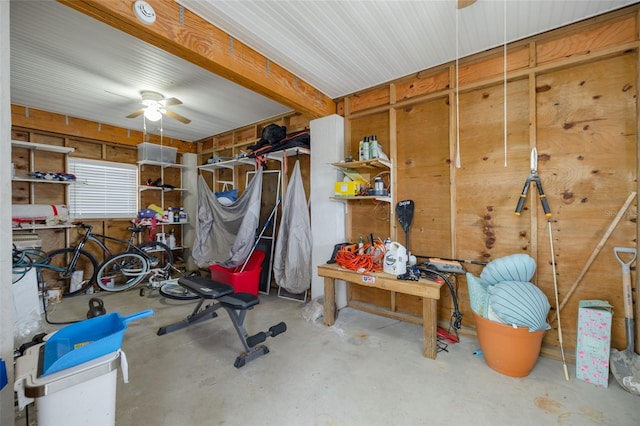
(625, 365)
(404, 212)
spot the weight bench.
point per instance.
(236, 305)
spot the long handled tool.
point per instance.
(264, 228)
(625, 365)
(555, 288)
(595, 253)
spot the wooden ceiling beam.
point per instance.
(190, 37)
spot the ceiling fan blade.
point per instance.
(461, 4)
(171, 101)
(136, 113)
(177, 116)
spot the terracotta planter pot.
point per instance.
(507, 350)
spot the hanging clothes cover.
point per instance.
(225, 233)
(292, 256)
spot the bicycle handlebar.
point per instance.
(82, 225)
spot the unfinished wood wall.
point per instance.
(97, 149)
(571, 93)
(232, 143)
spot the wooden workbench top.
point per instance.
(423, 287)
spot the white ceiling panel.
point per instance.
(341, 47)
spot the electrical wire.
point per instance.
(23, 262)
(458, 164)
(505, 83)
(368, 258)
(455, 322)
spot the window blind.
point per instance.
(103, 189)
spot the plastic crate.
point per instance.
(86, 340)
(247, 281)
(152, 152)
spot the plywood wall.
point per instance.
(572, 94)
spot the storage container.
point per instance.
(153, 152)
(246, 281)
(82, 395)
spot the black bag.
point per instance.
(271, 135)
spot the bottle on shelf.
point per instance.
(170, 217)
(361, 245)
(183, 215)
(373, 147)
(172, 239)
(365, 149)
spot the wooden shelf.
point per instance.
(158, 188)
(375, 163)
(26, 227)
(386, 198)
(161, 164)
(34, 180)
(42, 147)
(279, 155)
(228, 164)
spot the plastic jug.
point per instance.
(161, 237)
(395, 259)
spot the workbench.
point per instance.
(428, 290)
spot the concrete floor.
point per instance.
(366, 370)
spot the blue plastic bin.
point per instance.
(86, 340)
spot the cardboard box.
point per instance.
(153, 152)
(347, 189)
(594, 342)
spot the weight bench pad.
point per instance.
(205, 287)
(240, 301)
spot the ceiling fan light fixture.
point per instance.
(152, 113)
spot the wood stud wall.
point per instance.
(571, 93)
(55, 194)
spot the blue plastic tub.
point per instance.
(83, 341)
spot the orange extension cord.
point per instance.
(349, 257)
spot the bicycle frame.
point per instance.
(98, 239)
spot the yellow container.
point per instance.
(347, 189)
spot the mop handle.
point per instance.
(264, 228)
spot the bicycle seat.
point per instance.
(135, 229)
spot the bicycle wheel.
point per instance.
(173, 290)
(158, 254)
(72, 280)
(122, 271)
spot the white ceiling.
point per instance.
(65, 62)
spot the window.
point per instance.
(103, 189)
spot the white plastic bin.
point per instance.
(81, 395)
(154, 152)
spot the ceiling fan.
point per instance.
(155, 106)
(461, 4)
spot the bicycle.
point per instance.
(74, 269)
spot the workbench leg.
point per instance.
(430, 327)
(329, 301)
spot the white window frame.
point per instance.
(103, 189)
